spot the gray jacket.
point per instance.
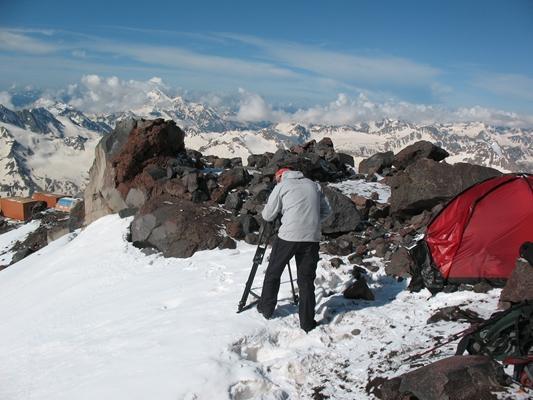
(303, 207)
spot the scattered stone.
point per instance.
(482, 287)
(355, 259)
(128, 212)
(227, 243)
(455, 313)
(359, 290)
(336, 262)
(358, 272)
(401, 263)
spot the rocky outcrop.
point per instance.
(426, 183)
(457, 378)
(134, 155)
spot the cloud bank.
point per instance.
(99, 94)
(346, 111)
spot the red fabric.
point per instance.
(477, 236)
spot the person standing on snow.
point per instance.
(303, 207)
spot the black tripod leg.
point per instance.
(258, 259)
(294, 295)
(248, 287)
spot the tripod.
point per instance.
(265, 233)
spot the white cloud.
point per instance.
(11, 41)
(100, 94)
(346, 111)
(253, 108)
(344, 65)
(515, 86)
(95, 93)
(5, 100)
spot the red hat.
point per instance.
(280, 172)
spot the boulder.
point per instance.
(519, 286)
(344, 218)
(178, 228)
(426, 183)
(376, 163)
(457, 378)
(416, 151)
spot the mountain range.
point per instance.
(50, 145)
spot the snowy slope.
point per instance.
(91, 317)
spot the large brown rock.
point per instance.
(453, 378)
(426, 183)
(519, 286)
(134, 155)
(416, 151)
(177, 227)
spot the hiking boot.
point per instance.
(313, 326)
(264, 313)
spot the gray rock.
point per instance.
(344, 217)
(376, 163)
(359, 290)
(457, 378)
(135, 198)
(426, 183)
(519, 286)
(401, 263)
(417, 151)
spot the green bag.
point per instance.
(506, 334)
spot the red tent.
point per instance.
(478, 234)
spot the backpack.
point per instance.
(505, 336)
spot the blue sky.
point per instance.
(445, 53)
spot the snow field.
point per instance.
(92, 317)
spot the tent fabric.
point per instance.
(477, 236)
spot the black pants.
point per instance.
(306, 254)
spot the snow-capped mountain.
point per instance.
(507, 149)
(51, 145)
(46, 149)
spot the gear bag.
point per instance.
(506, 334)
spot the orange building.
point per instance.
(17, 207)
(50, 198)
